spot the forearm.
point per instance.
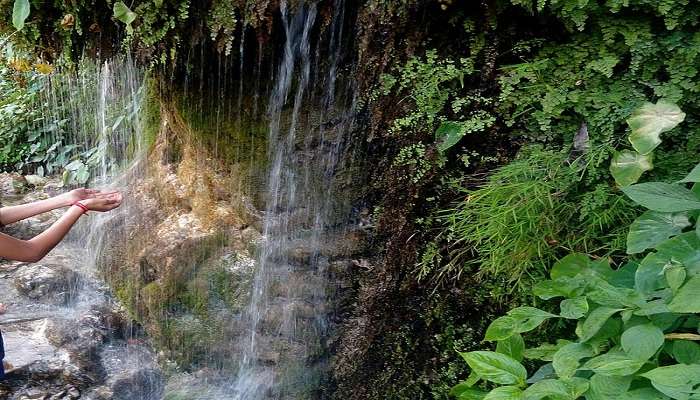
(12, 214)
(41, 244)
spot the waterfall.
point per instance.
(286, 318)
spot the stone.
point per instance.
(38, 281)
(146, 384)
(35, 180)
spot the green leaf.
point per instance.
(675, 275)
(545, 351)
(528, 318)
(465, 391)
(641, 394)
(124, 14)
(693, 176)
(547, 388)
(608, 387)
(595, 320)
(613, 364)
(687, 299)
(642, 341)
(562, 287)
(574, 308)
(686, 352)
(20, 12)
(570, 266)
(501, 328)
(683, 249)
(496, 367)
(652, 228)
(566, 361)
(649, 121)
(628, 166)
(513, 347)
(505, 393)
(675, 380)
(649, 276)
(544, 372)
(449, 134)
(664, 197)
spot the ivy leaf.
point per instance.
(20, 12)
(513, 347)
(505, 393)
(613, 364)
(595, 320)
(642, 341)
(652, 228)
(496, 367)
(628, 166)
(693, 176)
(664, 197)
(649, 121)
(449, 134)
(686, 352)
(687, 300)
(566, 360)
(124, 14)
(574, 308)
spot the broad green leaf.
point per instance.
(652, 228)
(567, 360)
(693, 176)
(574, 308)
(675, 380)
(653, 307)
(528, 318)
(642, 341)
(501, 328)
(562, 287)
(607, 387)
(576, 386)
(545, 351)
(613, 364)
(544, 372)
(74, 165)
(82, 175)
(683, 249)
(675, 275)
(650, 273)
(664, 197)
(496, 367)
(547, 388)
(686, 352)
(608, 295)
(124, 14)
(513, 347)
(20, 12)
(505, 393)
(628, 166)
(641, 394)
(464, 391)
(570, 266)
(649, 121)
(595, 320)
(449, 134)
(687, 299)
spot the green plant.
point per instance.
(636, 326)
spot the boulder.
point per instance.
(46, 282)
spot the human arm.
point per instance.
(36, 248)
(16, 213)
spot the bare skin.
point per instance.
(35, 249)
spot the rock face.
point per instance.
(46, 282)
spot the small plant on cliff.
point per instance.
(636, 326)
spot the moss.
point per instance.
(151, 112)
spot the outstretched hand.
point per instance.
(103, 201)
(79, 194)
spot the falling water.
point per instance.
(282, 354)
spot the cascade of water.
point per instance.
(286, 318)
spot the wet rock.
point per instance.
(142, 384)
(53, 282)
(35, 180)
(12, 184)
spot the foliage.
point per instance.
(20, 12)
(523, 218)
(635, 325)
